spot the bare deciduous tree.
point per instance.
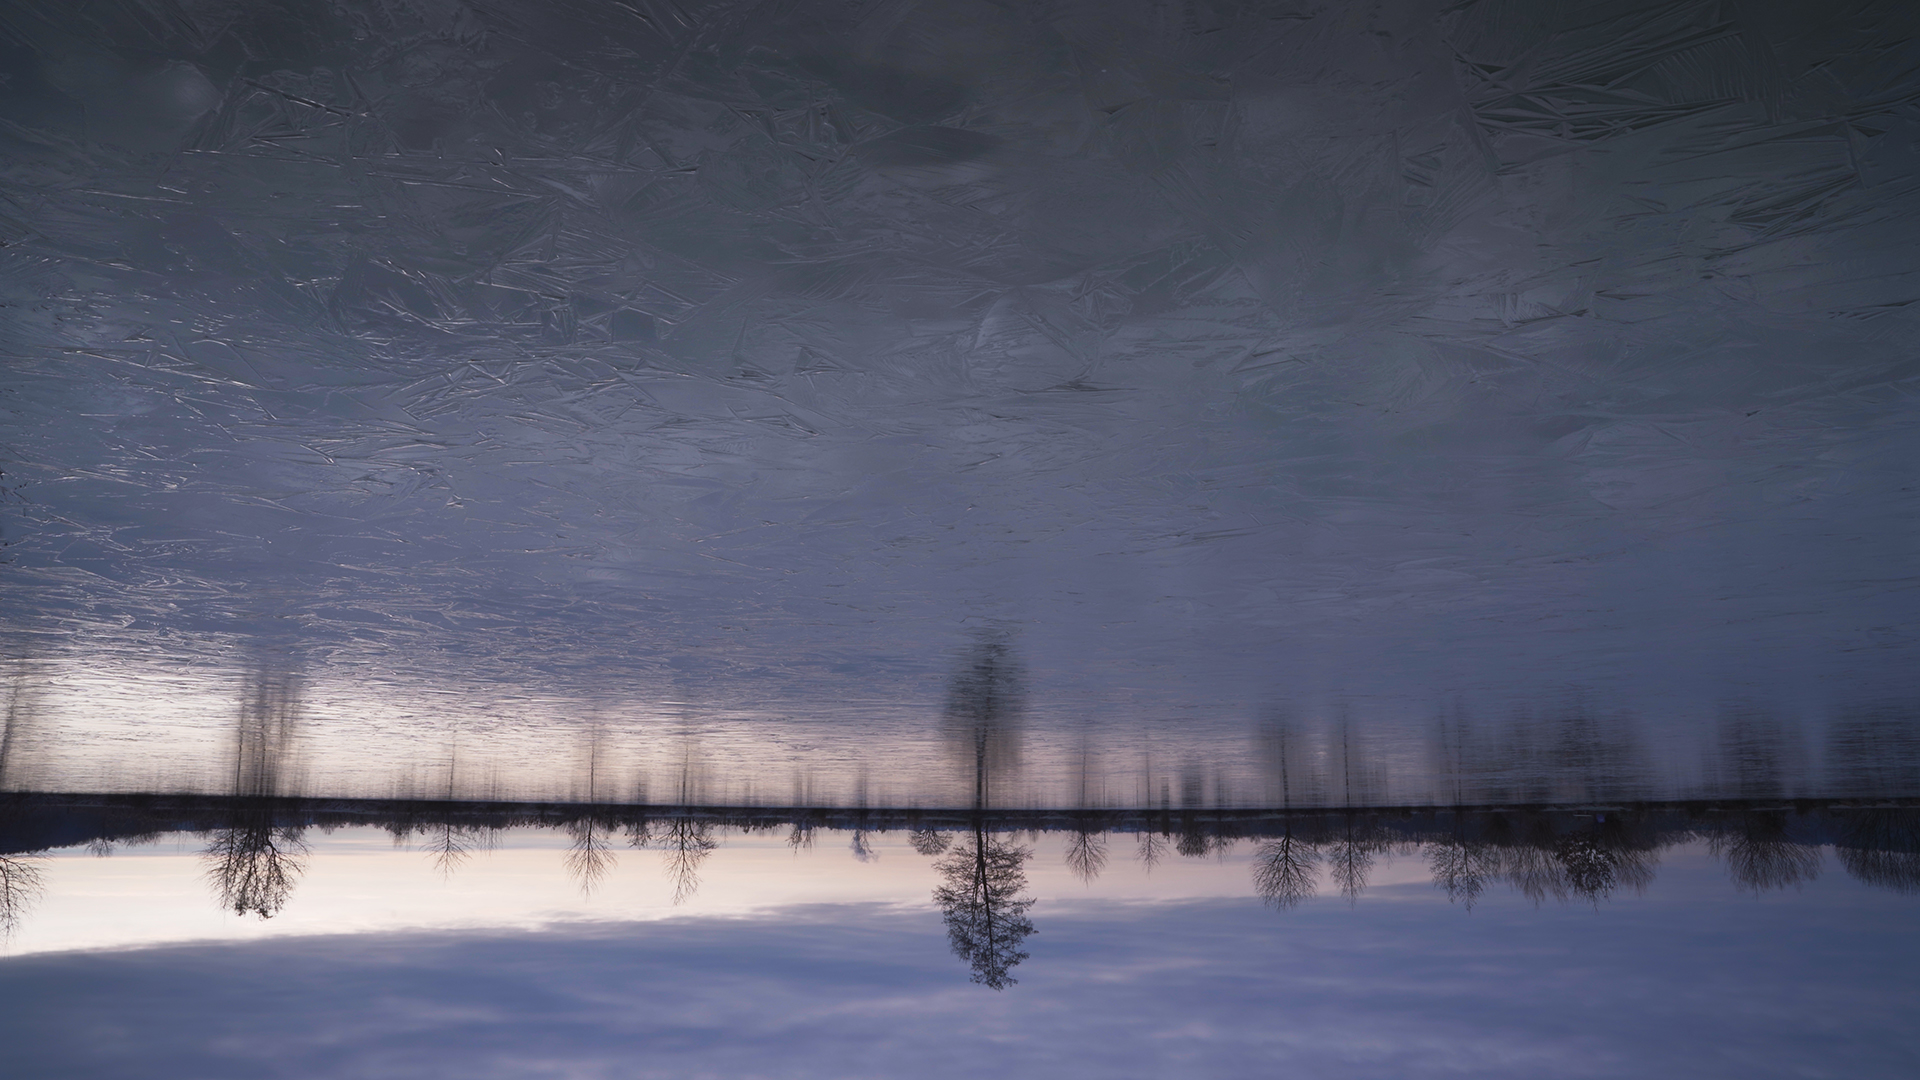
(1462, 867)
(1153, 848)
(1086, 854)
(1882, 848)
(686, 843)
(449, 846)
(20, 887)
(590, 857)
(985, 915)
(1284, 870)
(1761, 856)
(1350, 856)
(929, 842)
(1194, 841)
(255, 862)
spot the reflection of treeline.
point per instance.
(1572, 751)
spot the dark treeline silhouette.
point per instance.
(1544, 853)
(31, 823)
(1325, 834)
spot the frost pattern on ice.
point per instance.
(746, 354)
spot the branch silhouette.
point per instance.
(1285, 870)
(985, 915)
(254, 863)
(1760, 856)
(590, 857)
(1086, 854)
(21, 886)
(686, 844)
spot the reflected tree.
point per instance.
(1754, 749)
(1874, 753)
(1292, 774)
(1357, 780)
(980, 900)
(22, 707)
(1570, 751)
(1598, 757)
(264, 736)
(1450, 759)
(983, 712)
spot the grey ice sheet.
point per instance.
(751, 357)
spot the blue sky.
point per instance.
(1689, 980)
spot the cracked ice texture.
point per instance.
(1229, 353)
